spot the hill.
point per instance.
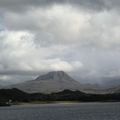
(18, 96)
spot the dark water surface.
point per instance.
(77, 111)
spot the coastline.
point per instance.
(59, 103)
(55, 103)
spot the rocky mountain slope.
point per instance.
(57, 81)
(51, 82)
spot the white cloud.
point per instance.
(21, 53)
(58, 64)
(64, 24)
(61, 37)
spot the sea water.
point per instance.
(63, 111)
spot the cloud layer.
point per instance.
(20, 5)
(81, 37)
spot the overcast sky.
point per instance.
(81, 37)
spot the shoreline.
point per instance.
(60, 103)
(55, 103)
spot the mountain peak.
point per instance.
(54, 75)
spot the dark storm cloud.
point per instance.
(18, 5)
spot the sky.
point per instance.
(80, 37)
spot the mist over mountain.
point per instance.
(1, 86)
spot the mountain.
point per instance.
(57, 81)
(51, 82)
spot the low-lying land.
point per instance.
(16, 96)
